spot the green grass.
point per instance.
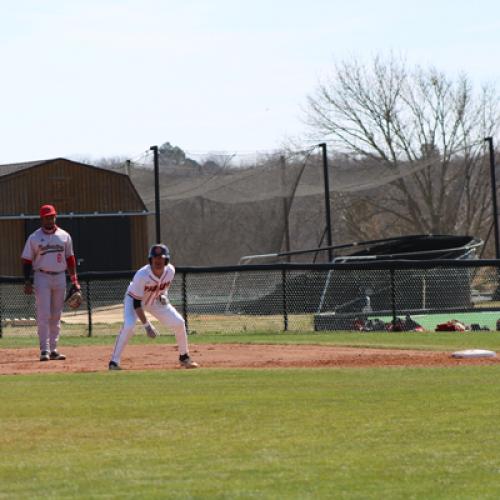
(397, 340)
(294, 433)
(281, 433)
(430, 321)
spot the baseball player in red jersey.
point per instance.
(148, 291)
(48, 253)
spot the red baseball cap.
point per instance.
(46, 210)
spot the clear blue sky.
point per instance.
(103, 78)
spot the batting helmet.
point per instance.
(159, 250)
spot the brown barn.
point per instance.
(101, 209)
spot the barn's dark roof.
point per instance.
(10, 168)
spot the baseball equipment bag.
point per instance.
(73, 297)
(451, 326)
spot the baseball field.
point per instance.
(324, 415)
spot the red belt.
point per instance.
(50, 272)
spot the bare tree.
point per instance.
(403, 118)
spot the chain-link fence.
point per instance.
(384, 295)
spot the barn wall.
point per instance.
(13, 238)
(139, 241)
(70, 186)
(11, 247)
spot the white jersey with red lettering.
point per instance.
(48, 251)
(147, 287)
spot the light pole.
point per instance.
(285, 206)
(157, 192)
(489, 140)
(327, 201)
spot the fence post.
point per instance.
(184, 300)
(393, 296)
(1, 319)
(285, 306)
(89, 307)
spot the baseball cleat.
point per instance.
(114, 366)
(55, 355)
(44, 356)
(186, 362)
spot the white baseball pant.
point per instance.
(49, 298)
(167, 315)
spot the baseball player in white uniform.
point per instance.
(48, 253)
(148, 291)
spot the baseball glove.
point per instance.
(74, 297)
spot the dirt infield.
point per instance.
(164, 357)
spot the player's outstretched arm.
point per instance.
(150, 329)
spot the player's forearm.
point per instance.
(140, 311)
(150, 329)
(27, 268)
(71, 263)
(141, 316)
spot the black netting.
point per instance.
(266, 203)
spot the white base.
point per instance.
(474, 353)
